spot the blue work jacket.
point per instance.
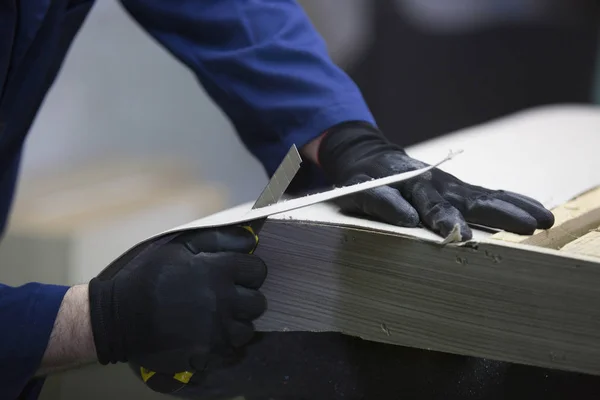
(261, 61)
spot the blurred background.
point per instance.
(127, 143)
(426, 67)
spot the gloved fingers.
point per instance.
(465, 192)
(248, 304)
(214, 240)
(383, 203)
(240, 333)
(490, 211)
(436, 212)
(249, 270)
(543, 216)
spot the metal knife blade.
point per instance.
(278, 183)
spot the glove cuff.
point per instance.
(108, 337)
(346, 143)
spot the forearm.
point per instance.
(268, 69)
(71, 343)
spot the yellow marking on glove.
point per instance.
(183, 377)
(249, 229)
(146, 374)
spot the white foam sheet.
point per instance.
(550, 154)
(245, 212)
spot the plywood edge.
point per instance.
(426, 236)
(494, 248)
(509, 302)
(573, 219)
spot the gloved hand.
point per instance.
(181, 303)
(356, 152)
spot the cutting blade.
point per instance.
(278, 183)
(280, 180)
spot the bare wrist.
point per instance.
(71, 342)
(311, 149)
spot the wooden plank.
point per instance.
(587, 245)
(494, 300)
(573, 219)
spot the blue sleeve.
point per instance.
(262, 62)
(27, 315)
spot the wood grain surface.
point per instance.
(500, 301)
(573, 219)
(587, 245)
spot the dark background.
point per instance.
(419, 86)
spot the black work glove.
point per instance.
(356, 152)
(181, 302)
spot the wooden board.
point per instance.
(573, 220)
(587, 245)
(489, 299)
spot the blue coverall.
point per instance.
(260, 60)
